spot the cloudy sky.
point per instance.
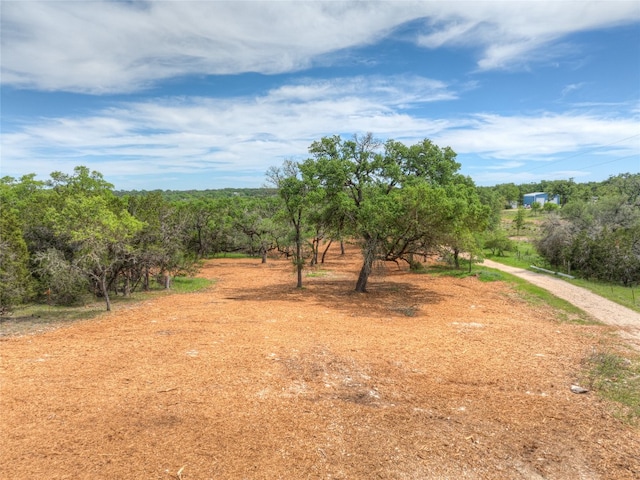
(196, 95)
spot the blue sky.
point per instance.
(197, 95)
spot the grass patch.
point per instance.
(530, 227)
(567, 312)
(441, 269)
(189, 284)
(490, 276)
(482, 273)
(616, 378)
(626, 296)
(232, 255)
(523, 256)
(316, 273)
(36, 318)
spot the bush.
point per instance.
(498, 242)
(60, 281)
(14, 274)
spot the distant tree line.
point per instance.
(189, 195)
(509, 194)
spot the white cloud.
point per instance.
(504, 166)
(233, 135)
(390, 90)
(514, 34)
(243, 136)
(105, 47)
(540, 137)
(572, 88)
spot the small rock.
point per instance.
(578, 389)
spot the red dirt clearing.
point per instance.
(421, 378)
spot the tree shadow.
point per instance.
(384, 298)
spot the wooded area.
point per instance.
(73, 235)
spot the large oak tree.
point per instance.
(398, 200)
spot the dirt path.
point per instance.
(600, 308)
(421, 378)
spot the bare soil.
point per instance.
(422, 377)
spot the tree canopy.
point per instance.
(397, 201)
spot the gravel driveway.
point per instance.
(606, 311)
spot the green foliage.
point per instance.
(82, 238)
(72, 235)
(492, 200)
(397, 200)
(256, 221)
(535, 208)
(101, 232)
(14, 258)
(624, 184)
(525, 254)
(62, 283)
(509, 193)
(186, 196)
(498, 242)
(300, 194)
(518, 221)
(207, 226)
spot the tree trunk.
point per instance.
(325, 251)
(105, 290)
(456, 258)
(365, 271)
(299, 266)
(298, 257)
(341, 247)
(146, 279)
(264, 255)
(316, 248)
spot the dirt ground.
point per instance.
(421, 378)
